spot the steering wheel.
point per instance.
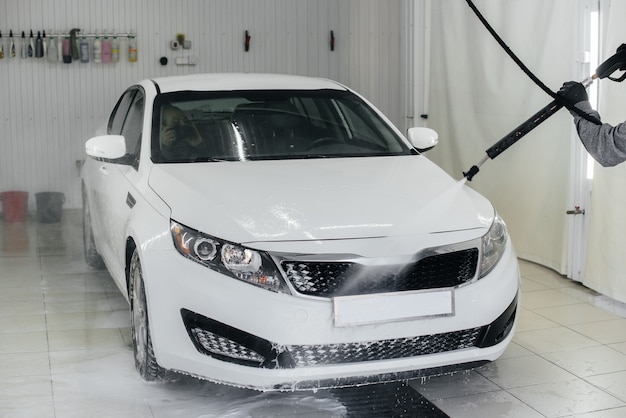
(329, 140)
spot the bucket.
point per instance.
(49, 206)
(14, 205)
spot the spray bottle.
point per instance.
(51, 52)
(115, 49)
(97, 50)
(84, 50)
(74, 41)
(106, 49)
(1, 47)
(132, 48)
(11, 44)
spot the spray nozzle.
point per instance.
(617, 62)
(469, 175)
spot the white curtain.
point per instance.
(606, 256)
(478, 95)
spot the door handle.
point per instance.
(576, 211)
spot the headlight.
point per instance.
(231, 259)
(493, 245)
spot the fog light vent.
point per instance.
(221, 346)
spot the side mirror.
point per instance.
(422, 138)
(108, 147)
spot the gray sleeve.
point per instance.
(605, 143)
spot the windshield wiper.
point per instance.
(207, 160)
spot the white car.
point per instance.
(278, 232)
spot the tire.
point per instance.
(145, 360)
(92, 257)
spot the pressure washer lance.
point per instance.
(608, 67)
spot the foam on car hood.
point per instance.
(319, 199)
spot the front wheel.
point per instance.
(145, 360)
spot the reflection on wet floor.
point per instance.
(383, 400)
(386, 400)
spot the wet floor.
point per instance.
(65, 351)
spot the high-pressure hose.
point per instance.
(605, 70)
(517, 133)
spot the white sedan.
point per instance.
(278, 232)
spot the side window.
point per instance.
(116, 121)
(133, 127)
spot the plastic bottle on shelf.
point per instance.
(44, 43)
(132, 48)
(106, 49)
(67, 50)
(97, 50)
(60, 48)
(11, 44)
(24, 46)
(83, 48)
(51, 51)
(31, 45)
(115, 49)
(39, 46)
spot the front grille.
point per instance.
(318, 355)
(330, 279)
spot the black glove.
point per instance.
(573, 92)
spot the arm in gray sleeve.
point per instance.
(605, 143)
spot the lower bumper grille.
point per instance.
(230, 344)
(318, 355)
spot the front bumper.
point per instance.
(217, 328)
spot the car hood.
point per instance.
(319, 199)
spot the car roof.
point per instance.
(242, 81)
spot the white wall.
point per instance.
(48, 110)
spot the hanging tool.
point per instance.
(246, 41)
(617, 62)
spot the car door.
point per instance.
(115, 192)
(98, 177)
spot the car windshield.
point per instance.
(268, 125)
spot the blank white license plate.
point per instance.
(389, 307)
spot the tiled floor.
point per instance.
(65, 350)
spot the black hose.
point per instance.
(569, 105)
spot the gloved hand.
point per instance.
(573, 92)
